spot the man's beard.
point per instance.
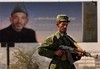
(63, 32)
(18, 28)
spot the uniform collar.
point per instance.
(59, 34)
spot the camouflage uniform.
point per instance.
(50, 45)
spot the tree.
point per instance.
(24, 59)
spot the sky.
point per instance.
(42, 16)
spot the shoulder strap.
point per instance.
(75, 43)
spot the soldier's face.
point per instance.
(18, 20)
(62, 27)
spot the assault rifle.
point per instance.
(75, 50)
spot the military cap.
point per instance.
(62, 17)
(19, 8)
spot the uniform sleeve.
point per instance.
(47, 48)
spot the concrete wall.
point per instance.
(84, 63)
(89, 21)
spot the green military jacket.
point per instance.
(51, 44)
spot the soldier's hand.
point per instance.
(58, 52)
(80, 54)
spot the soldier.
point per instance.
(50, 47)
(17, 32)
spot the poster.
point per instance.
(42, 18)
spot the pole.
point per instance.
(8, 45)
(8, 56)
